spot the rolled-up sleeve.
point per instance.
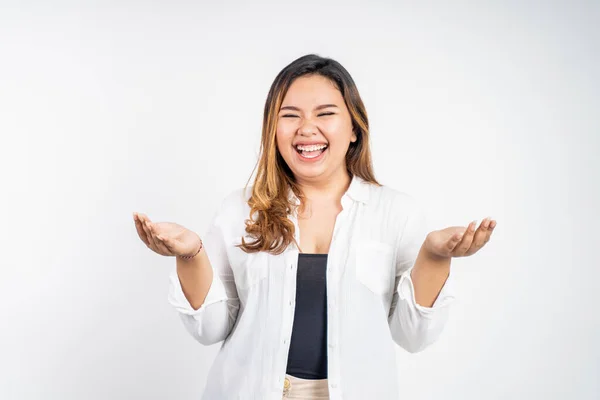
(213, 321)
(413, 326)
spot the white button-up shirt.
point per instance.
(370, 299)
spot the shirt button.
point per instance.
(331, 345)
(334, 385)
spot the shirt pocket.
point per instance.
(252, 270)
(375, 266)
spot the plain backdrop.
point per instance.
(477, 109)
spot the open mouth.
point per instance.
(311, 151)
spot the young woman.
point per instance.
(312, 274)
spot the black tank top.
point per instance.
(307, 357)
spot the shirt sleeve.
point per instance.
(213, 321)
(413, 326)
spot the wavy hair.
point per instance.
(270, 203)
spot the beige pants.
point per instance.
(306, 389)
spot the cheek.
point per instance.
(282, 140)
(338, 132)
(285, 133)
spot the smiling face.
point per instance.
(314, 129)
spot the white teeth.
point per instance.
(312, 147)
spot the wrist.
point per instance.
(434, 257)
(192, 256)
(428, 250)
(428, 260)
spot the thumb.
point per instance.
(455, 240)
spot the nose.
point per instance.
(307, 129)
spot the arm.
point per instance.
(429, 275)
(419, 308)
(203, 289)
(195, 276)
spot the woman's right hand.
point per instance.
(166, 238)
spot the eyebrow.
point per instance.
(322, 106)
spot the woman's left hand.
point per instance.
(458, 241)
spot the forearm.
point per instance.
(428, 276)
(196, 277)
(414, 324)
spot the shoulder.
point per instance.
(237, 198)
(398, 208)
(234, 205)
(403, 214)
(394, 202)
(387, 213)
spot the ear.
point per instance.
(353, 138)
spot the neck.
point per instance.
(325, 188)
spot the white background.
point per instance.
(489, 108)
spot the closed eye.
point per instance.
(295, 116)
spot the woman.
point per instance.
(312, 274)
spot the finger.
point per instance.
(482, 236)
(164, 243)
(152, 239)
(462, 248)
(146, 228)
(479, 239)
(454, 240)
(490, 230)
(160, 244)
(140, 229)
(159, 240)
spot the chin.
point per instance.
(309, 173)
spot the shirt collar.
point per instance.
(357, 191)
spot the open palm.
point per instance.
(458, 241)
(166, 238)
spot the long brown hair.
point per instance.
(269, 202)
